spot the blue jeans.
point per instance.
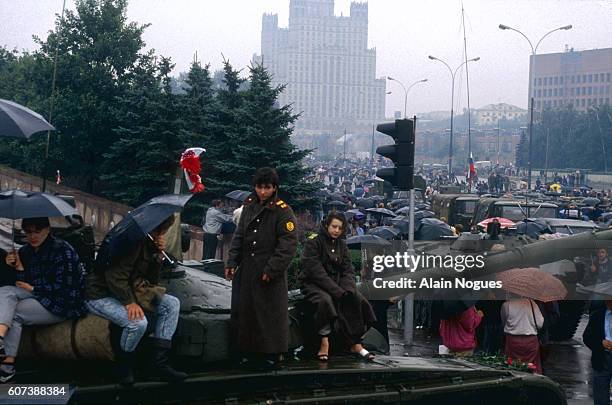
(18, 307)
(111, 309)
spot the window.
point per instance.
(590, 90)
(596, 78)
(590, 78)
(573, 79)
(584, 78)
(539, 95)
(555, 93)
(561, 80)
(556, 81)
(539, 81)
(560, 92)
(608, 77)
(571, 91)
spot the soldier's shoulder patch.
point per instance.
(280, 202)
(313, 235)
(290, 226)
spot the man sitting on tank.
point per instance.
(328, 282)
(124, 291)
(50, 288)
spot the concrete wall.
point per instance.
(99, 212)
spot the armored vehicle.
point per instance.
(79, 352)
(456, 208)
(513, 209)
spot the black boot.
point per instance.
(125, 367)
(124, 361)
(160, 365)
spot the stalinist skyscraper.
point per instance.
(325, 62)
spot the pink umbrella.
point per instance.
(532, 283)
(503, 222)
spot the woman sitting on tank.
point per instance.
(50, 288)
(328, 282)
(124, 291)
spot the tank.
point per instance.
(201, 346)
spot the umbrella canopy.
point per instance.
(423, 214)
(503, 222)
(19, 121)
(421, 206)
(355, 242)
(335, 203)
(15, 204)
(403, 211)
(377, 198)
(532, 228)
(382, 211)
(532, 283)
(137, 224)
(592, 201)
(365, 203)
(432, 229)
(401, 223)
(238, 195)
(384, 232)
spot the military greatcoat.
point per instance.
(265, 242)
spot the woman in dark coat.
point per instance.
(328, 282)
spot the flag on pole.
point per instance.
(472, 168)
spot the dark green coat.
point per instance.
(264, 242)
(120, 279)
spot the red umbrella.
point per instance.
(532, 283)
(503, 222)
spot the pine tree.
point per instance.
(143, 162)
(265, 140)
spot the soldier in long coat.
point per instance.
(328, 282)
(263, 246)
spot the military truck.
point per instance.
(513, 209)
(456, 208)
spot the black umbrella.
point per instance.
(382, 211)
(532, 228)
(377, 198)
(432, 229)
(401, 223)
(238, 195)
(19, 121)
(137, 225)
(15, 204)
(421, 206)
(365, 203)
(335, 203)
(423, 214)
(355, 242)
(384, 232)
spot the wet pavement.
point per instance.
(569, 362)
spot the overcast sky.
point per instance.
(403, 32)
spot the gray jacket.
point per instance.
(214, 221)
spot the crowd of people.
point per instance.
(51, 285)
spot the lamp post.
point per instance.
(406, 90)
(534, 51)
(453, 73)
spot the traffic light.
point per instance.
(402, 154)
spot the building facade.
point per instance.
(582, 79)
(491, 113)
(325, 63)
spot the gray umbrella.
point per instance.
(384, 232)
(15, 204)
(239, 195)
(356, 242)
(381, 211)
(19, 121)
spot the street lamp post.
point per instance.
(453, 73)
(532, 95)
(406, 91)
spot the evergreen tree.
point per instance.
(99, 54)
(144, 160)
(227, 135)
(264, 140)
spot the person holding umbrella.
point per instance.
(262, 249)
(50, 288)
(124, 288)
